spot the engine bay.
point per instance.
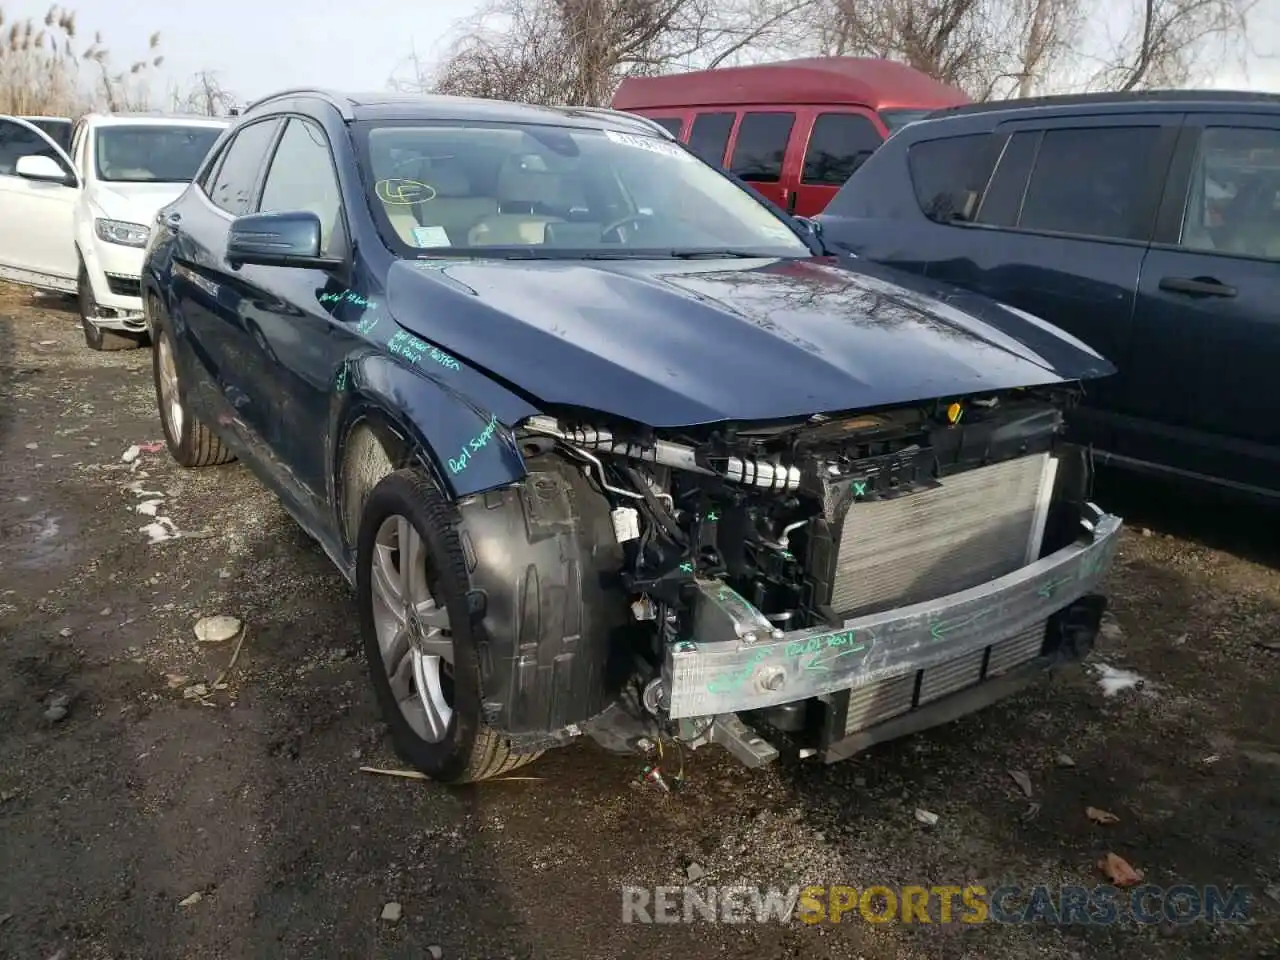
(758, 507)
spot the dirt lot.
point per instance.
(114, 814)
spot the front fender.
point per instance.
(460, 420)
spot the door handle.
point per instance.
(1197, 287)
(791, 200)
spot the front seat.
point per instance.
(453, 207)
(524, 184)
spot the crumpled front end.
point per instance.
(827, 584)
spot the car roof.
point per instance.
(1111, 102)
(153, 119)
(381, 106)
(38, 116)
(861, 81)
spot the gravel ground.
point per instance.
(123, 795)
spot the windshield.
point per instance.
(522, 190)
(151, 153)
(895, 120)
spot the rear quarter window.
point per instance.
(950, 175)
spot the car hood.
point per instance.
(678, 343)
(134, 202)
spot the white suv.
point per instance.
(78, 223)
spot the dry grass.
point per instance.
(46, 69)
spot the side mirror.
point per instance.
(42, 168)
(278, 240)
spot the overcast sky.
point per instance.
(259, 46)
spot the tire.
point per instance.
(464, 749)
(190, 442)
(95, 337)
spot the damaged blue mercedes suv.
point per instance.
(609, 447)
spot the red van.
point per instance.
(795, 129)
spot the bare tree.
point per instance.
(1167, 43)
(986, 47)
(998, 48)
(577, 51)
(205, 96)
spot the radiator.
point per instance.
(976, 526)
(881, 701)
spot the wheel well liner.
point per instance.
(545, 570)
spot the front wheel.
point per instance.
(411, 583)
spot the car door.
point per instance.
(211, 302)
(37, 241)
(1060, 231)
(836, 142)
(1206, 327)
(298, 353)
(764, 154)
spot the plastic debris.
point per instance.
(1113, 679)
(1064, 761)
(131, 454)
(927, 818)
(392, 912)
(217, 629)
(1022, 780)
(1119, 871)
(191, 899)
(160, 530)
(1100, 816)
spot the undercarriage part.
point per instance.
(552, 619)
(740, 740)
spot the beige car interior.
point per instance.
(508, 219)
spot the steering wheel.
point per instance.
(635, 217)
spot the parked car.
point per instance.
(606, 447)
(77, 222)
(1147, 225)
(795, 130)
(58, 128)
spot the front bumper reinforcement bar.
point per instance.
(739, 661)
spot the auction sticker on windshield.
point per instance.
(652, 144)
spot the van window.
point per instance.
(1233, 206)
(671, 124)
(761, 146)
(710, 135)
(1091, 182)
(950, 175)
(839, 144)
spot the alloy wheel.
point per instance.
(412, 629)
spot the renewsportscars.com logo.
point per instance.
(1055, 906)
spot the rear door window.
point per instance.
(761, 146)
(950, 175)
(710, 135)
(1233, 206)
(1091, 182)
(838, 145)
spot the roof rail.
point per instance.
(1109, 97)
(623, 115)
(341, 103)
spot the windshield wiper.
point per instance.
(717, 255)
